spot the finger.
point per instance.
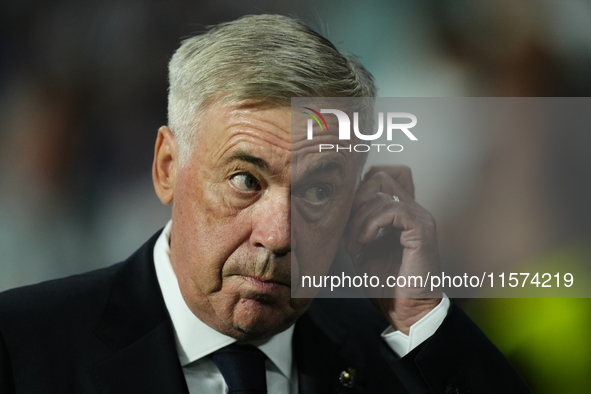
(379, 182)
(380, 212)
(401, 174)
(415, 232)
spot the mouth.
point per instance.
(263, 285)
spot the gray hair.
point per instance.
(270, 58)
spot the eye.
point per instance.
(245, 182)
(317, 193)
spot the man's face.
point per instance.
(231, 238)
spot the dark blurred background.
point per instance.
(83, 92)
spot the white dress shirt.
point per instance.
(195, 340)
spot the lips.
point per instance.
(265, 285)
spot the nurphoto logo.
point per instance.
(345, 129)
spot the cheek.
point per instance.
(199, 194)
(316, 244)
(205, 233)
(203, 204)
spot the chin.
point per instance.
(257, 320)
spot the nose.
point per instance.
(272, 224)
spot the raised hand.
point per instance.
(390, 235)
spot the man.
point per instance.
(245, 214)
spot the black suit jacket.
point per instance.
(108, 331)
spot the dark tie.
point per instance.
(243, 368)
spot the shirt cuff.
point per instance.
(403, 344)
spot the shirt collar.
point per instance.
(195, 339)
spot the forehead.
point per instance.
(226, 129)
(269, 133)
(225, 121)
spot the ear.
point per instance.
(165, 165)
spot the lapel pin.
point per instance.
(347, 378)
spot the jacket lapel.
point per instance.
(315, 370)
(333, 338)
(149, 365)
(323, 351)
(136, 327)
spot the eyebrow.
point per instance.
(256, 161)
(325, 166)
(318, 168)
